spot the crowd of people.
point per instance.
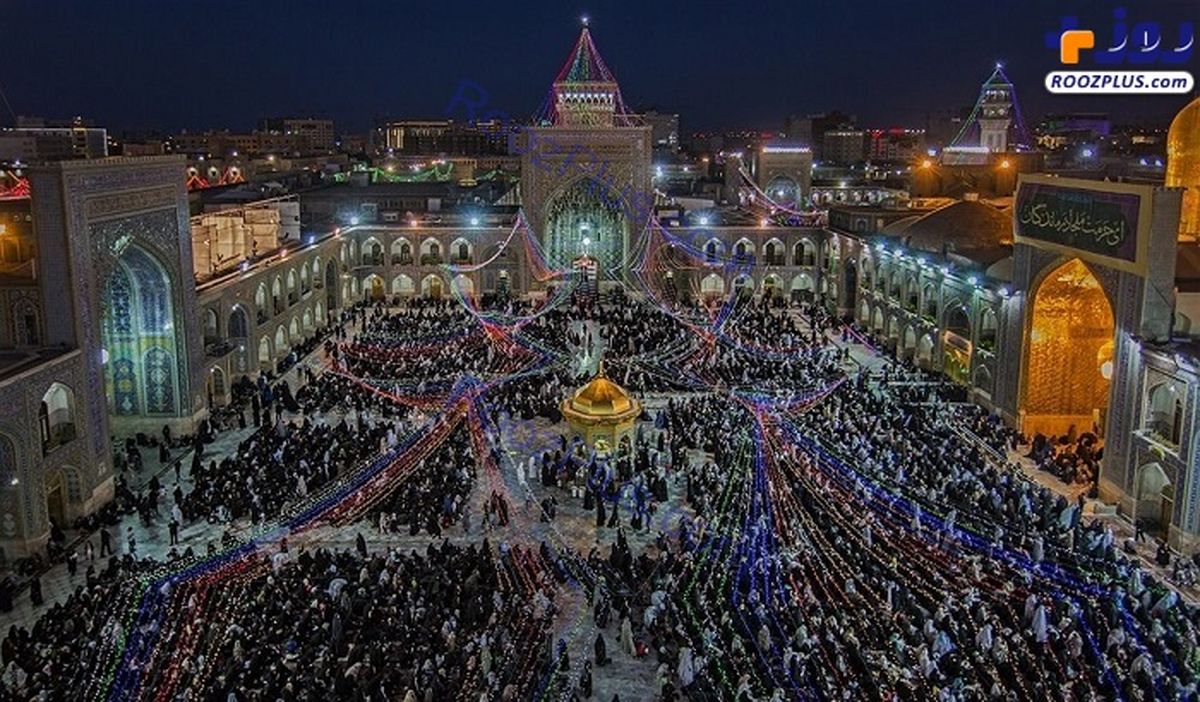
(779, 526)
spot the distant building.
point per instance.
(896, 145)
(217, 144)
(810, 130)
(441, 137)
(784, 172)
(38, 140)
(843, 146)
(664, 129)
(319, 132)
(1059, 131)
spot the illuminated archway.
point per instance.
(373, 288)
(1068, 349)
(581, 220)
(432, 286)
(783, 190)
(712, 285)
(139, 342)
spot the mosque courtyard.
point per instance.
(404, 512)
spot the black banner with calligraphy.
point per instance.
(1101, 223)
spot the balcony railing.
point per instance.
(402, 260)
(431, 260)
(219, 349)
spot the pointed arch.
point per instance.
(372, 252)
(712, 285)
(265, 354)
(461, 251)
(237, 326)
(774, 252)
(433, 286)
(463, 285)
(138, 337)
(402, 253)
(57, 416)
(403, 285)
(714, 249)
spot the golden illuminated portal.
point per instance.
(1070, 353)
(1183, 167)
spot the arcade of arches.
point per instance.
(1069, 356)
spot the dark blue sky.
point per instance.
(223, 63)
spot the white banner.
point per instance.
(1119, 82)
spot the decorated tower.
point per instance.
(585, 171)
(995, 125)
(585, 93)
(995, 115)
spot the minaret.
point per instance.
(995, 111)
(585, 93)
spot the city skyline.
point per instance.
(227, 66)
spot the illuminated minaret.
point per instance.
(585, 93)
(995, 111)
(996, 120)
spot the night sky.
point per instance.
(167, 64)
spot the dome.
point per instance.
(1183, 167)
(968, 229)
(899, 226)
(602, 397)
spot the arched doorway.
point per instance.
(908, 344)
(431, 287)
(463, 285)
(331, 284)
(1164, 412)
(743, 286)
(582, 220)
(802, 287)
(56, 498)
(264, 353)
(238, 326)
(401, 252)
(771, 285)
(376, 290)
(712, 285)
(850, 284)
(893, 330)
(402, 285)
(1068, 353)
(773, 253)
(1155, 497)
(956, 345)
(139, 337)
(925, 352)
(783, 190)
(56, 416)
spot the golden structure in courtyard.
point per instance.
(602, 413)
(1183, 167)
(1070, 353)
